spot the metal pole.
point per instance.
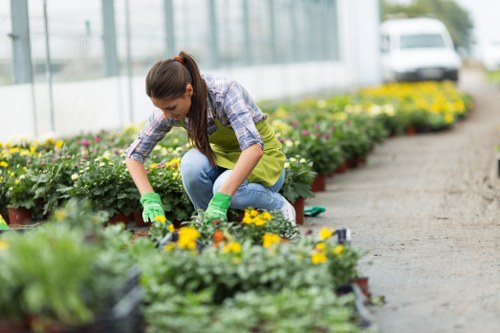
(272, 34)
(109, 36)
(247, 54)
(21, 51)
(48, 70)
(169, 27)
(129, 61)
(213, 38)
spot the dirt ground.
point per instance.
(426, 208)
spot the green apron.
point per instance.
(227, 151)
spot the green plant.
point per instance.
(299, 175)
(107, 184)
(54, 274)
(317, 144)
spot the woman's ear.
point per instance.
(189, 90)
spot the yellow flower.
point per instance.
(318, 258)
(173, 163)
(269, 239)
(169, 247)
(233, 247)
(338, 250)
(188, 237)
(59, 144)
(320, 247)
(448, 118)
(3, 244)
(266, 216)
(60, 215)
(4, 164)
(259, 221)
(325, 233)
(171, 228)
(161, 219)
(153, 166)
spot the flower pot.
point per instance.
(139, 221)
(319, 183)
(119, 218)
(19, 215)
(342, 168)
(362, 283)
(410, 130)
(299, 210)
(7, 326)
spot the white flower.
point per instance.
(74, 177)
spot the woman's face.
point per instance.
(176, 108)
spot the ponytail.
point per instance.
(169, 79)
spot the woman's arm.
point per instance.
(139, 176)
(243, 168)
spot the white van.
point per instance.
(418, 49)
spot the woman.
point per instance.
(236, 160)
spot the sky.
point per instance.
(486, 17)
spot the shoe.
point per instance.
(288, 211)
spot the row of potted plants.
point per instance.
(257, 275)
(320, 137)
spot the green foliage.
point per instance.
(107, 185)
(299, 175)
(54, 273)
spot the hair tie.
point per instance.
(179, 59)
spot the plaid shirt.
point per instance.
(233, 108)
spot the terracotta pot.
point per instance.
(119, 218)
(362, 283)
(19, 215)
(342, 168)
(410, 130)
(7, 326)
(319, 183)
(139, 221)
(299, 210)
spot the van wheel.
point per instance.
(452, 75)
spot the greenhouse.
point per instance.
(243, 166)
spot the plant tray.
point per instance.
(363, 314)
(124, 316)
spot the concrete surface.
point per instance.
(426, 208)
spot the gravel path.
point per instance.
(426, 208)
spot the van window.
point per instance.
(421, 41)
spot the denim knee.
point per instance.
(193, 163)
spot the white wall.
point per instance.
(103, 104)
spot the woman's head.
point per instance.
(176, 87)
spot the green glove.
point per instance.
(217, 207)
(151, 202)
(3, 224)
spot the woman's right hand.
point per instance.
(152, 206)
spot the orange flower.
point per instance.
(218, 237)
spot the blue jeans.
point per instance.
(201, 180)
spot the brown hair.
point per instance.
(168, 79)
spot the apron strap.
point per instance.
(218, 124)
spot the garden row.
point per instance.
(72, 275)
(319, 137)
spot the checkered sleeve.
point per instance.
(154, 131)
(243, 113)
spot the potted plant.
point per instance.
(108, 186)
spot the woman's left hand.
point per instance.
(217, 207)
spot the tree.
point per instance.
(455, 17)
